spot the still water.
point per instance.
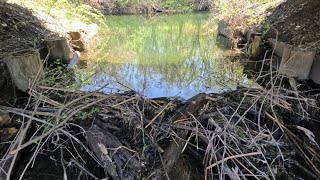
(160, 56)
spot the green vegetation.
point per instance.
(149, 6)
(179, 5)
(65, 10)
(86, 114)
(241, 14)
(91, 11)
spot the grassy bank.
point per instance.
(242, 15)
(145, 6)
(91, 11)
(65, 10)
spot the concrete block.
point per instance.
(277, 46)
(296, 63)
(59, 49)
(255, 48)
(24, 68)
(315, 71)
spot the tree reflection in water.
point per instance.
(167, 55)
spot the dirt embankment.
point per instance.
(21, 33)
(296, 22)
(25, 30)
(20, 30)
(35, 34)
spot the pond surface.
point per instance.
(160, 56)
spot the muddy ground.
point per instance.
(20, 30)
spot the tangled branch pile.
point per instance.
(247, 133)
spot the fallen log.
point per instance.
(114, 156)
(173, 152)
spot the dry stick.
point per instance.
(272, 82)
(153, 119)
(80, 143)
(58, 117)
(173, 152)
(164, 167)
(173, 134)
(125, 101)
(246, 169)
(56, 127)
(306, 170)
(233, 157)
(141, 121)
(30, 117)
(225, 167)
(19, 138)
(226, 145)
(22, 111)
(20, 141)
(231, 150)
(229, 120)
(224, 141)
(33, 157)
(65, 176)
(291, 137)
(43, 98)
(84, 169)
(74, 91)
(22, 134)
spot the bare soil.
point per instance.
(19, 29)
(296, 22)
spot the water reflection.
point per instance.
(161, 56)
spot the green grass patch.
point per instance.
(65, 10)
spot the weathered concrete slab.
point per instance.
(81, 35)
(277, 46)
(254, 47)
(24, 68)
(58, 48)
(296, 63)
(315, 70)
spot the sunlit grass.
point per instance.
(65, 10)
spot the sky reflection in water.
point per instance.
(161, 56)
